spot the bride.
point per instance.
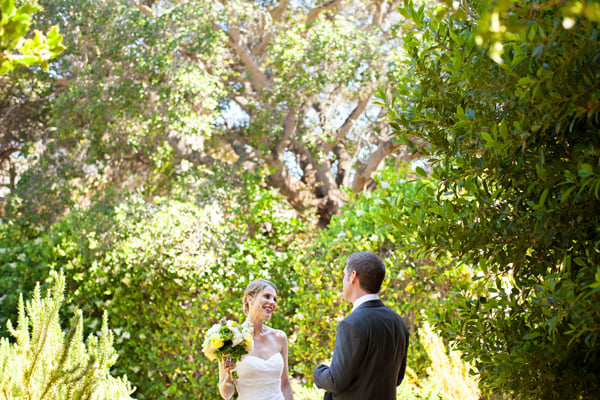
(263, 374)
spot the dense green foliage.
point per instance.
(164, 271)
(47, 363)
(513, 145)
(415, 286)
(144, 91)
(167, 271)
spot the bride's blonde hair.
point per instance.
(254, 288)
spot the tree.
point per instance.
(506, 99)
(147, 91)
(21, 109)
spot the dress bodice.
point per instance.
(260, 379)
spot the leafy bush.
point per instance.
(417, 286)
(454, 376)
(503, 96)
(165, 272)
(47, 363)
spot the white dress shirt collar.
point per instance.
(362, 299)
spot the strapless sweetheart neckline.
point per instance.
(259, 378)
(264, 359)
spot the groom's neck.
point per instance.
(363, 299)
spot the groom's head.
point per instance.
(368, 268)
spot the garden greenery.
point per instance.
(492, 236)
(45, 362)
(505, 98)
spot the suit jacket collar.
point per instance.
(370, 304)
(364, 299)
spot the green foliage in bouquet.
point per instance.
(47, 363)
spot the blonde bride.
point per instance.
(263, 374)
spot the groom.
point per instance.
(369, 358)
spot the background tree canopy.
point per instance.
(177, 150)
(284, 89)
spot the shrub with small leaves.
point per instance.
(47, 363)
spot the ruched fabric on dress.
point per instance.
(260, 379)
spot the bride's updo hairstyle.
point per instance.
(254, 288)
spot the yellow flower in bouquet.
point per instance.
(228, 338)
(216, 342)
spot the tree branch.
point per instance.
(308, 162)
(363, 174)
(314, 13)
(259, 80)
(6, 153)
(275, 14)
(183, 152)
(330, 197)
(260, 49)
(233, 137)
(380, 10)
(244, 156)
(344, 164)
(289, 186)
(343, 130)
(358, 110)
(278, 11)
(385, 148)
(289, 130)
(289, 125)
(144, 9)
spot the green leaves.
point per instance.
(181, 264)
(517, 187)
(585, 170)
(17, 51)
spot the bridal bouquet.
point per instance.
(228, 339)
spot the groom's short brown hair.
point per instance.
(369, 269)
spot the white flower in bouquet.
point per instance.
(228, 338)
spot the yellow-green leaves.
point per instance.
(15, 49)
(45, 362)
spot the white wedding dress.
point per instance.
(260, 379)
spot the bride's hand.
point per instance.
(228, 364)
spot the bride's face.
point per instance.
(264, 303)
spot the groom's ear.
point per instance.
(353, 276)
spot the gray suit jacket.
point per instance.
(369, 358)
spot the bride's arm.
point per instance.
(226, 387)
(286, 386)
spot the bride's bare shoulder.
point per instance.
(278, 334)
